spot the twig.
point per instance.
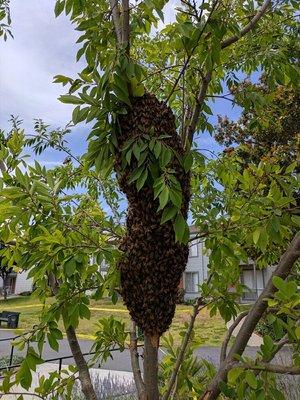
(185, 65)
(229, 334)
(274, 368)
(140, 386)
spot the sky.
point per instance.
(44, 46)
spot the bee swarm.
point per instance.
(152, 262)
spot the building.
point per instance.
(197, 270)
(17, 283)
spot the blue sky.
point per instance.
(43, 47)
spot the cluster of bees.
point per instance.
(153, 262)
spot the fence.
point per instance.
(59, 359)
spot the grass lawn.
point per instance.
(210, 330)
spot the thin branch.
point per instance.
(22, 394)
(197, 308)
(206, 80)
(198, 107)
(221, 97)
(248, 27)
(185, 65)
(274, 368)
(140, 386)
(2, 167)
(229, 334)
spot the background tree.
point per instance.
(269, 134)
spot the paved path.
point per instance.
(120, 361)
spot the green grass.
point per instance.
(210, 330)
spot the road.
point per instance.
(120, 360)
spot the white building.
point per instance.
(17, 283)
(197, 270)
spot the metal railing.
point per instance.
(59, 359)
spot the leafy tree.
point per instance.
(146, 144)
(270, 133)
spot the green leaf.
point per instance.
(59, 7)
(296, 219)
(70, 267)
(278, 282)
(53, 343)
(136, 151)
(168, 213)
(84, 311)
(180, 227)
(164, 197)
(256, 235)
(157, 149)
(165, 156)
(251, 379)
(141, 180)
(136, 174)
(176, 197)
(233, 374)
(70, 99)
(188, 162)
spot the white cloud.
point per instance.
(43, 47)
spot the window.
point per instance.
(191, 282)
(194, 248)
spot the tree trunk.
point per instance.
(83, 370)
(151, 367)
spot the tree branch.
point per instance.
(83, 370)
(229, 334)
(283, 270)
(183, 347)
(125, 26)
(116, 20)
(22, 394)
(248, 27)
(274, 368)
(185, 65)
(2, 167)
(140, 386)
(197, 108)
(207, 78)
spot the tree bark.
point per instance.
(83, 370)
(283, 270)
(151, 367)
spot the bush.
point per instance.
(4, 362)
(108, 388)
(272, 326)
